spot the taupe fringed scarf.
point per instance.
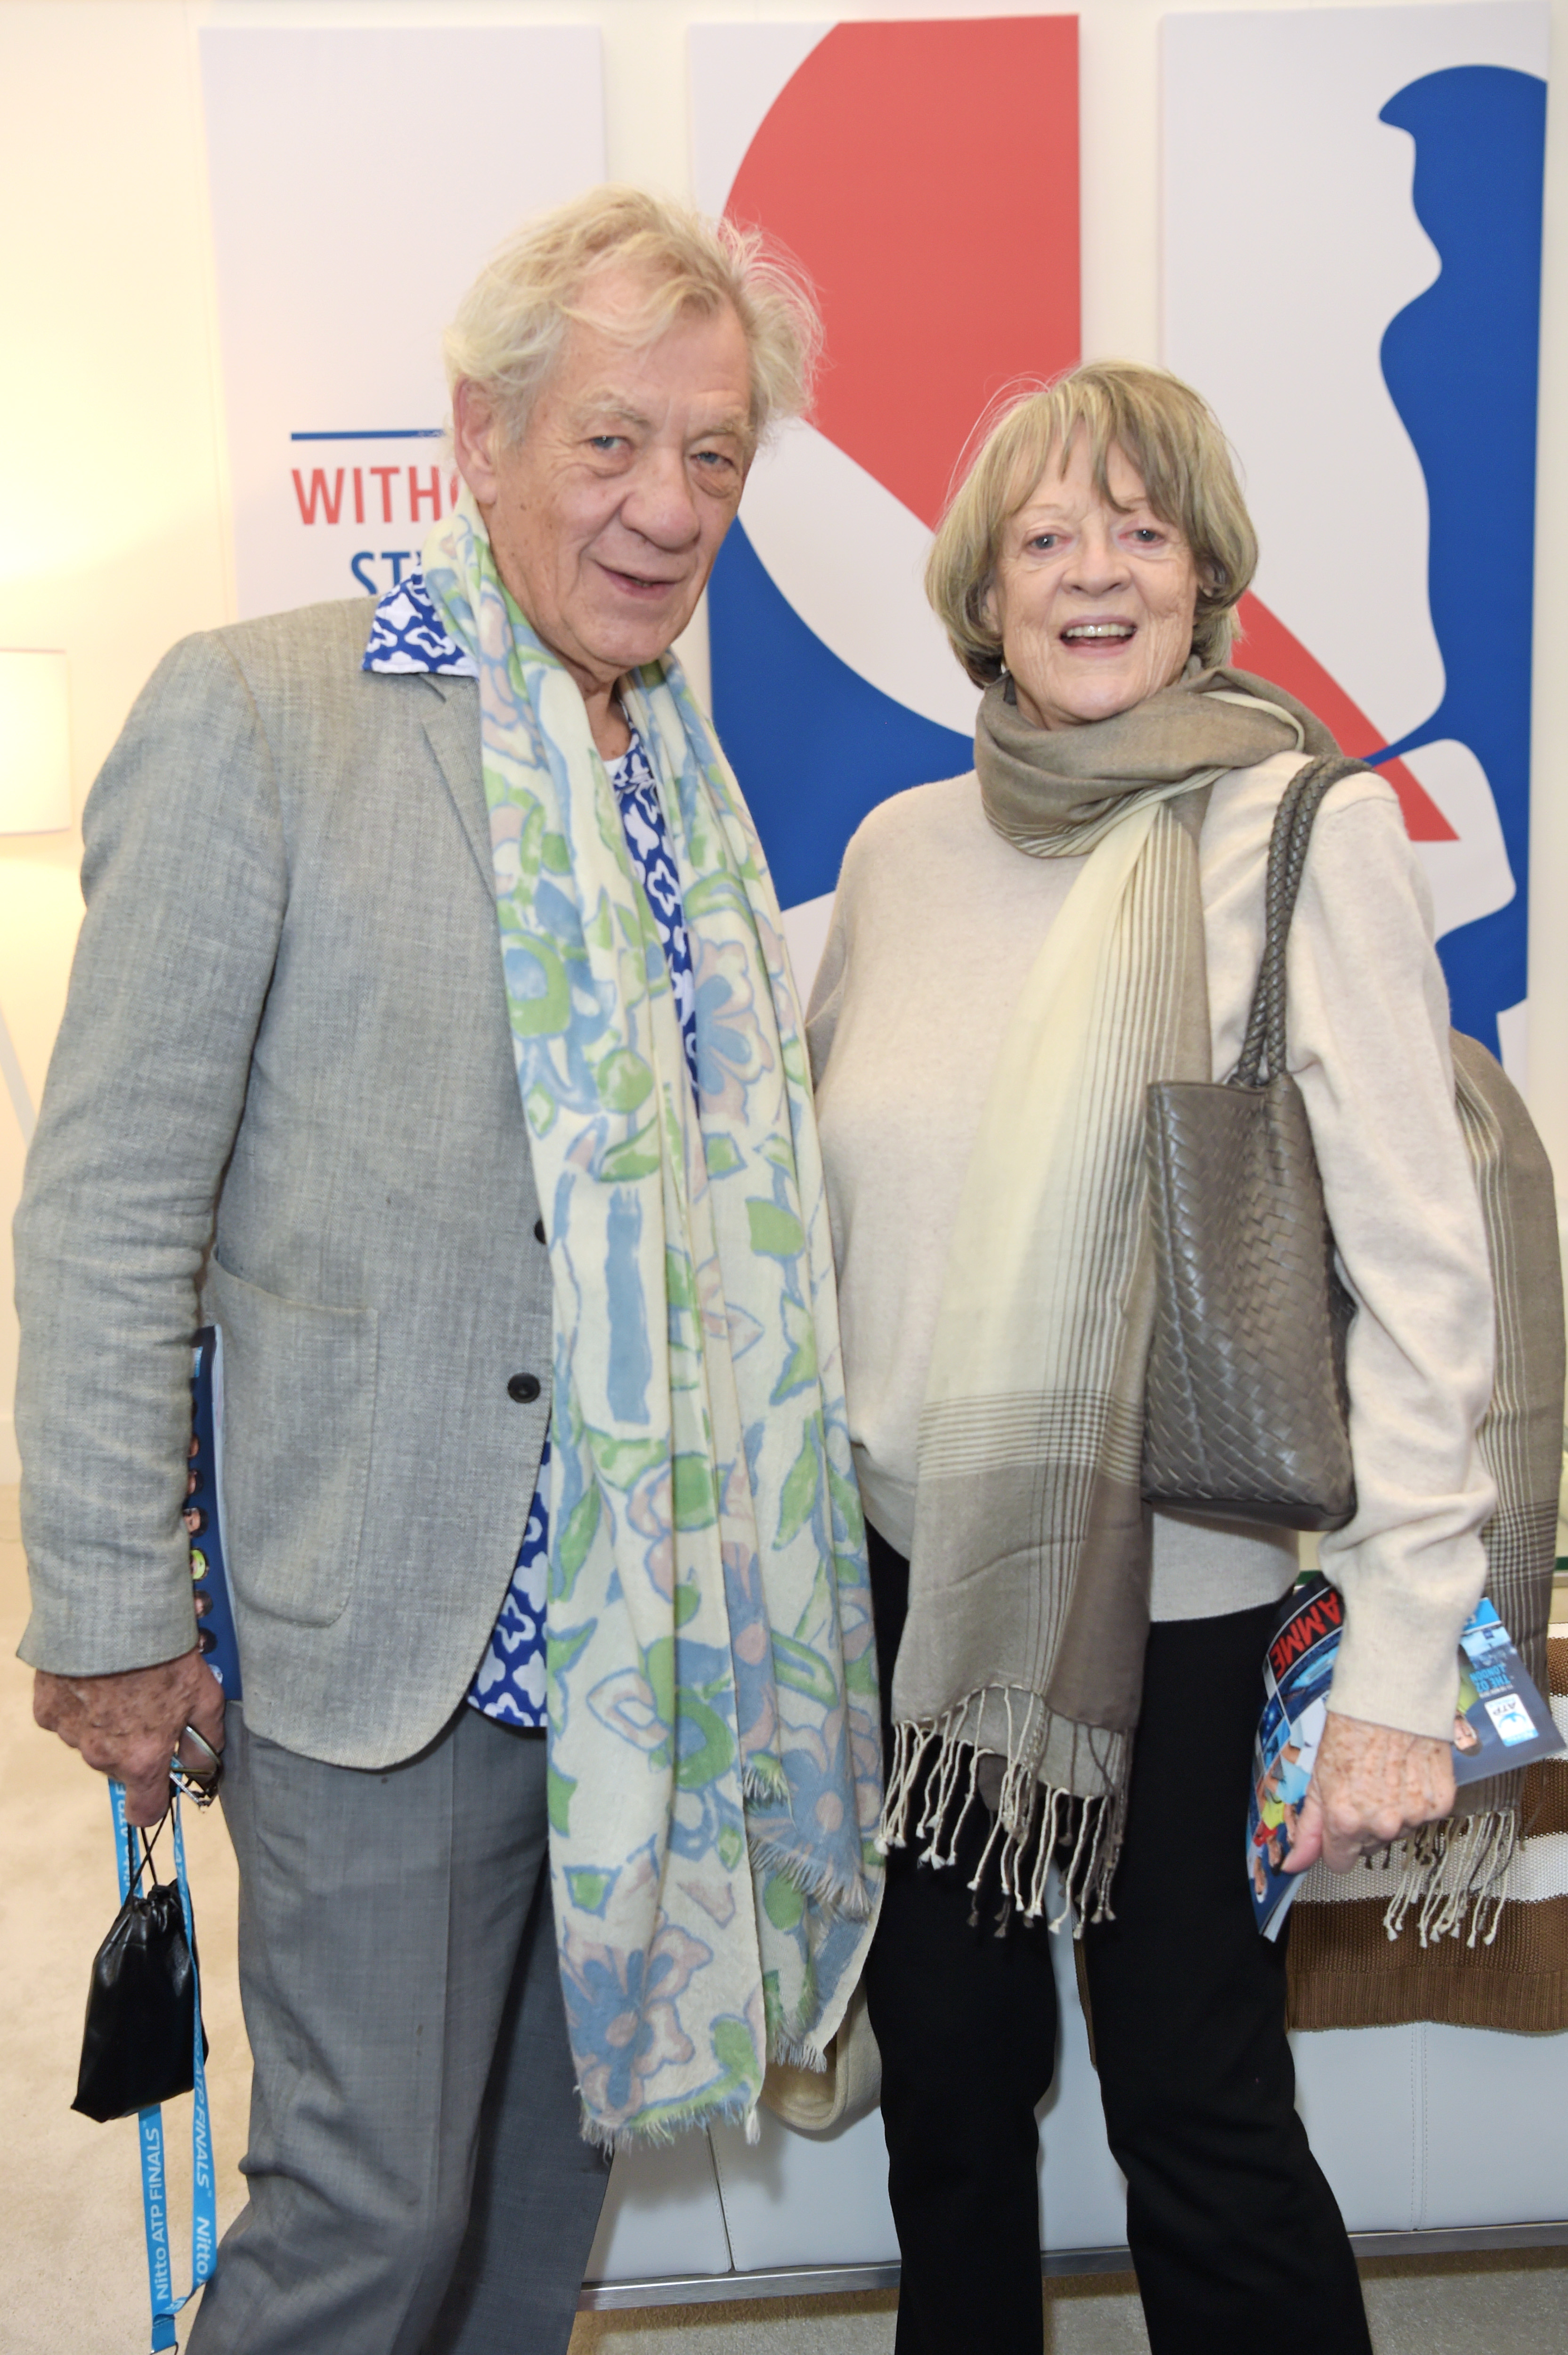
(1029, 1578)
(1502, 1841)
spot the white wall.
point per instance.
(114, 542)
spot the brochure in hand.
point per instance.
(1500, 1722)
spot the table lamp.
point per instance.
(34, 791)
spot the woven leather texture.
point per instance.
(1247, 1412)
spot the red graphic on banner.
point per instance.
(324, 500)
(1270, 649)
(927, 174)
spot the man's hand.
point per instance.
(1369, 1786)
(129, 1726)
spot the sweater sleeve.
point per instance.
(832, 978)
(1369, 1044)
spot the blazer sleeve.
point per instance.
(1369, 1043)
(184, 877)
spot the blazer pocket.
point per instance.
(299, 1385)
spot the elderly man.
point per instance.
(440, 1196)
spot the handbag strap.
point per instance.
(1265, 1043)
(133, 1869)
(150, 2123)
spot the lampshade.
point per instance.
(34, 744)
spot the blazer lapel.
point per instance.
(451, 725)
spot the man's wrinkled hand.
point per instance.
(1372, 1784)
(129, 1726)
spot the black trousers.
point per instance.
(1236, 2237)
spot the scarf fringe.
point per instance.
(1451, 1872)
(764, 1780)
(818, 1884)
(796, 2051)
(790, 2045)
(1031, 1824)
(652, 2133)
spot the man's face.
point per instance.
(606, 517)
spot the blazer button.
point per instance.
(538, 1230)
(524, 1389)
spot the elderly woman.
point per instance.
(1003, 979)
(431, 967)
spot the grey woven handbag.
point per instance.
(1247, 1413)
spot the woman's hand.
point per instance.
(1370, 1785)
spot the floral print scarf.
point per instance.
(715, 1767)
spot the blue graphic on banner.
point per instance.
(814, 746)
(1460, 363)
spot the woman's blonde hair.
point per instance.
(1162, 427)
(511, 323)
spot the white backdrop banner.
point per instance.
(1352, 277)
(358, 180)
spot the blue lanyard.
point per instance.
(150, 2130)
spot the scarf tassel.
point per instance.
(1453, 1872)
(934, 1783)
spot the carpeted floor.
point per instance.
(1512, 2305)
(73, 2270)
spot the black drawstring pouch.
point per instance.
(139, 2045)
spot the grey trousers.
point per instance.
(418, 2184)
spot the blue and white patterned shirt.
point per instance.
(408, 634)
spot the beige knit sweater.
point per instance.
(936, 924)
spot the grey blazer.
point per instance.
(283, 1100)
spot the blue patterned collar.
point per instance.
(408, 634)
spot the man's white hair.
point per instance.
(512, 322)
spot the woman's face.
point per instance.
(1093, 599)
